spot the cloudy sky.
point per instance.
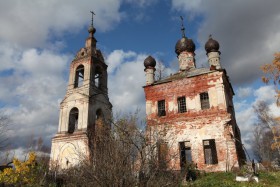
(38, 40)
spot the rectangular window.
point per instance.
(162, 155)
(161, 108)
(182, 104)
(185, 153)
(210, 152)
(204, 100)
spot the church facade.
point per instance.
(193, 113)
(85, 102)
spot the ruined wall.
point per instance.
(196, 124)
(68, 150)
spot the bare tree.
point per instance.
(4, 127)
(124, 155)
(160, 71)
(265, 133)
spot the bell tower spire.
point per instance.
(86, 100)
(91, 41)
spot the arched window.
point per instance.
(79, 76)
(97, 77)
(73, 120)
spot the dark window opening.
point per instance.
(99, 114)
(182, 104)
(204, 100)
(99, 121)
(79, 76)
(185, 154)
(210, 152)
(162, 155)
(73, 120)
(97, 77)
(161, 108)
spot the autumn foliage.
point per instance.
(272, 74)
(23, 173)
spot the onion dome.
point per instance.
(91, 29)
(212, 45)
(149, 62)
(184, 44)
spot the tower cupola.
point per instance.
(212, 51)
(212, 45)
(150, 69)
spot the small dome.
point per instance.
(91, 29)
(212, 45)
(184, 44)
(150, 61)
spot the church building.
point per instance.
(85, 102)
(192, 111)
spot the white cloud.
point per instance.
(243, 92)
(117, 57)
(31, 91)
(141, 3)
(125, 84)
(31, 23)
(265, 93)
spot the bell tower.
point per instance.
(86, 100)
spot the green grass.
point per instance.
(270, 179)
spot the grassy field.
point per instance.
(271, 179)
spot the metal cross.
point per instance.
(182, 27)
(92, 13)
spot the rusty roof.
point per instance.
(183, 74)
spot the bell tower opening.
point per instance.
(79, 76)
(98, 77)
(73, 120)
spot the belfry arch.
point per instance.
(79, 76)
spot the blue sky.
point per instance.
(38, 40)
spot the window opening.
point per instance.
(182, 104)
(161, 108)
(97, 77)
(73, 120)
(185, 153)
(99, 114)
(79, 76)
(210, 152)
(204, 100)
